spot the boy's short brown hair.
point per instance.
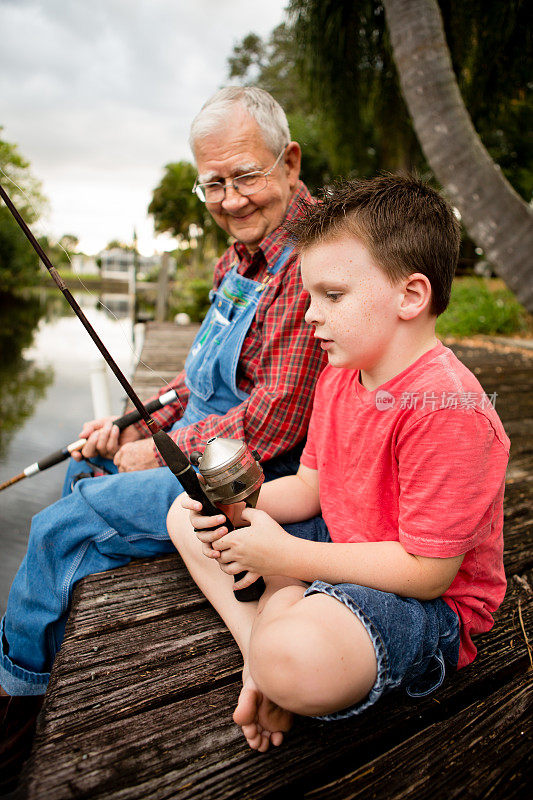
(405, 225)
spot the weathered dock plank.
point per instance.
(471, 734)
(135, 733)
(142, 692)
(163, 356)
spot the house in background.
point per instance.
(117, 263)
(84, 265)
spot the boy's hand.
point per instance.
(260, 549)
(209, 529)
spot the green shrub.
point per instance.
(482, 306)
(193, 299)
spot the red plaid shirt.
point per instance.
(279, 364)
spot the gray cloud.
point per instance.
(105, 91)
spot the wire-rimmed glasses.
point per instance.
(249, 183)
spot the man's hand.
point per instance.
(104, 439)
(137, 455)
(260, 548)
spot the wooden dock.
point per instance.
(140, 701)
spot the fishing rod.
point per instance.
(172, 455)
(65, 452)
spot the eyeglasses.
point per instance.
(250, 183)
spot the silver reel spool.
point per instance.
(231, 472)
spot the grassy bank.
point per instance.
(483, 306)
(93, 282)
(71, 278)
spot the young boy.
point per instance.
(403, 471)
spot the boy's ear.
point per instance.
(415, 297)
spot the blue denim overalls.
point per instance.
(105, 522)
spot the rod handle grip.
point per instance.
(53, 458)
(249, 593)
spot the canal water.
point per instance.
(46, 357)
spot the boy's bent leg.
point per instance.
(103, 524)
(216, 585)
(263, 721)
(311, 655)
(239, 617)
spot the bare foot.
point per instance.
(262, 721)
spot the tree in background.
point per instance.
(178, 211)
(70, 242)
(60, 252)
(273, 65)
(19, 264)
(495, 216)
(344, 52)
(337, 57)
(111, 245)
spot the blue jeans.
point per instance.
(413, 640)
(101, 525)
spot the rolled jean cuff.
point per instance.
(319, 587)
(16, 680)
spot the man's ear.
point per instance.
(415, 297)
(292, 162)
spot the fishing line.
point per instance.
(160, 379)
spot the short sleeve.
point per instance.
(451, 467)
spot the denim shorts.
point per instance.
(414, 640)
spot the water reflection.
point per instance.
(24, 373)
(22, 381)
(46, 357)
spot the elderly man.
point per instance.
(250, 375)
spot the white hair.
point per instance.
(261, 107)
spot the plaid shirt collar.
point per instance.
(271, 246)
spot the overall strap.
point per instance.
(281, 260)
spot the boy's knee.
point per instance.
(285, 663)
(279, 596)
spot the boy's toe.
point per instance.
(250, 731)
(247, 706)
(264, 744)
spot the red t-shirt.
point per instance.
(421, 460)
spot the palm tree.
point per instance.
(359, 56)
(496, 218)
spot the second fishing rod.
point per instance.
(232, 473)
(65, 452)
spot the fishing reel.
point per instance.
(232, 473)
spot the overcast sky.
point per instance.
(99, 96)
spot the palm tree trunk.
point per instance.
(496, 218)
